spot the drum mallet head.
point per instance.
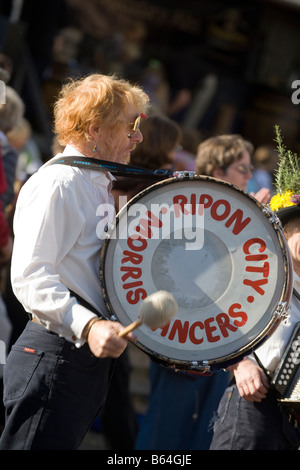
(156, 311)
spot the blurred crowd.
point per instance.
(189, 104)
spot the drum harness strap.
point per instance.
(115, 168)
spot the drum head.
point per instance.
(210, 245)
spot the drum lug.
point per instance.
(184, 174)
(204, 368)
(282, 311)
(273, 218)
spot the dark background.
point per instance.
(250, 49)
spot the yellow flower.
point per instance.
(279, 201)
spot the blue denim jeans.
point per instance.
(52, 391)
(242, 425)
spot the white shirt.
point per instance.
(273, 348)
(56, 246)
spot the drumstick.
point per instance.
(156, 311)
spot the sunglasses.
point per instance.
(244, 169)
(136, 124)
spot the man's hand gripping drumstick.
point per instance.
(107, 338)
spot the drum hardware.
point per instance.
(282, 311)
(184, 174)
(204, 368)
(274, 219)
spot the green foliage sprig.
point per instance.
(287, 175)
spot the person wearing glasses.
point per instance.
(57, 374)
(228, 158)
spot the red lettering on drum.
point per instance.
(250, 247)
(254, 241)
(239, 223)
(132, 277)
(135, 273)
(206, 200)
(181, 329)
(144, 227)
(133, 297)
(241, 314)
(192, 334)
(181, 205)
(193, 204)
(212, 329)
(220, 210)
(224, 324)
(132, 257)
(225, 210)
(255, 269)
(256, 285)
(137, 243)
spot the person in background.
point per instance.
(6, 245)
(11, 112)
(265, 161)
(228, 158)
(69, 346)
(186, 153)
(29, 155)
(250, 416)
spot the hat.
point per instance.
(286, 202)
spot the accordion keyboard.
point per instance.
(286, 378)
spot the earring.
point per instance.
(95, 148)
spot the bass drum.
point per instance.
(220, 253)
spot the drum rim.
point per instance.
(271, 325)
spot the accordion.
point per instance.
(286, 379)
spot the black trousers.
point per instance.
(52, 391)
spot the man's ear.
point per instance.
(94, 131)
(218, 173)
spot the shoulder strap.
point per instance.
(113, 167)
